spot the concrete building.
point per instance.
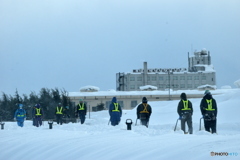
(127, 99)
(162, 84)
(200, 72)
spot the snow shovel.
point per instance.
(136, 122)
(200, 126)
(176, 125)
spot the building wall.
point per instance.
(177, 81)
(127, 101)
(177, 78)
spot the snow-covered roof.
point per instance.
(141, 93)
(207, 86)
(148, 87)
(89, 88)
(208, 68)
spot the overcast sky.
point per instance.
(73, 43)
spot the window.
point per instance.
(175, 86)
(196, 77)
(139, 78)
(161, 78)
(175, 77)
(189, 77)
(108, 104)
(133, 104)
(160, 85)
(204, 78)
(182, 78)
(148, 78)
(132, 78)
(132, 86)
(154, 78)
(182, 86)
(120, 103)
(189, 85)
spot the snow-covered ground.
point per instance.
(97, 140)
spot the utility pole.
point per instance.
(89, 110)
(169, 84)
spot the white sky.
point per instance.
(70, 44)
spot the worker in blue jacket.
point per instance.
(115, 112)
(20, 115)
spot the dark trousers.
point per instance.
(187, 120)
(82, 117)
(144, 118)
(59, 119)
(210, 126)
(20, 122)
(37, 121)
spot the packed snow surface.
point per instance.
(97, 140)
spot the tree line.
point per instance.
(47, 98)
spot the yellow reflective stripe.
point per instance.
(116, 107)
(20, 115)
(145, 108)
(185, 105)
(59, 111)
(38, 112)
(209, 102)
(81, 107)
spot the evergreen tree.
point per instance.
(48, 99)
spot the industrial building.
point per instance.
(166, 84)
(200, 72)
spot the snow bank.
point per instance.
(237, 83)
(226, 87)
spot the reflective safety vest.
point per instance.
(145, 108)
(209, 102)
(116, 107)
(185, 106)
(59, 111)
(38, 112)
(81, 107)
(20, 114)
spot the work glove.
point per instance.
(14, 119)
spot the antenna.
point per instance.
(191, 48)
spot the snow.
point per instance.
(148, 87)
(207, 86)
(208, 68)
(144, 93)
(226, 87)
(89, 88)
(237, 83)
(97, 140)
